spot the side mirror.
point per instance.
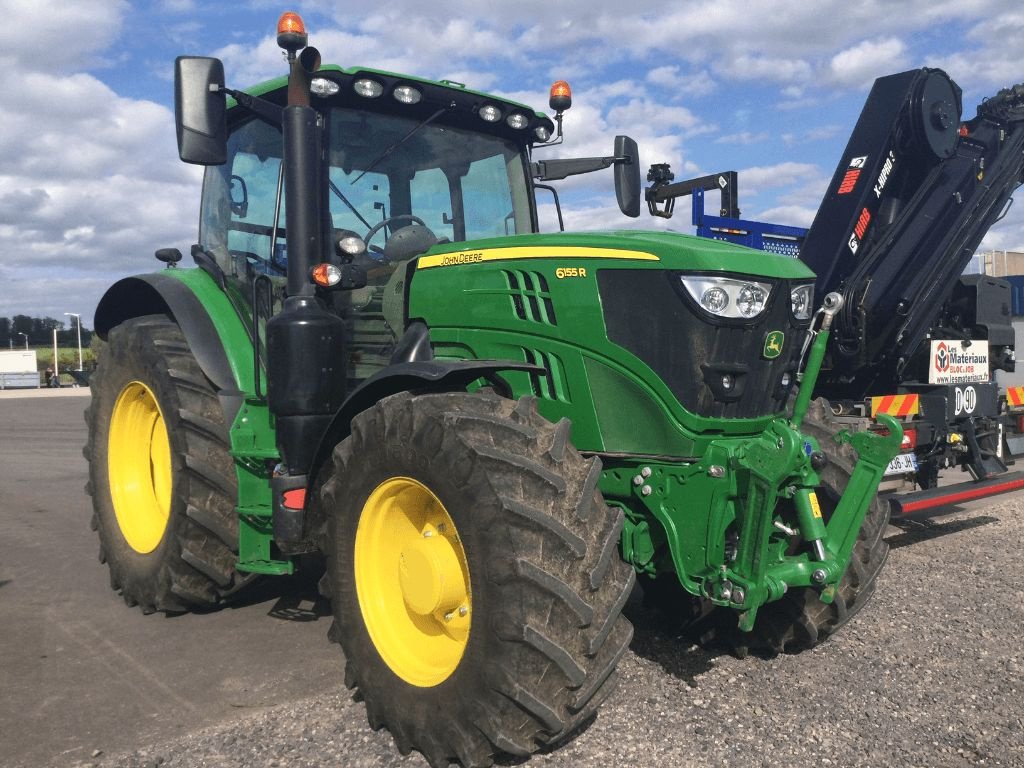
(200, 110)
(627, 176)
(239, 193)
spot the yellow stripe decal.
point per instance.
(531, 252)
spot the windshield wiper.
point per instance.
(341, 196)
(402, 140)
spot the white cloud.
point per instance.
(860, 64)
(92, 180)
(761, 177)
(744, 137)
(177, 6)
(790, 215)
(766, 68)
(57, 36)
(676, 82)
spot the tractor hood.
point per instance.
(659, 250)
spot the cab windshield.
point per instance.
(460, 184)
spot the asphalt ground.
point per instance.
(79, 670)
(929, 674)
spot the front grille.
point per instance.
(646, 314)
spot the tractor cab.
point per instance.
(404, 164)
(397, 154)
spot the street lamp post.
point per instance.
(22, 333)
(78, 318)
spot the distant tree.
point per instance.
(40, 331)
(21, 324)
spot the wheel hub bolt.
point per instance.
(645, 472)
(463, 610)
(646, 490)
(716, 470)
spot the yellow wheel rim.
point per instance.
(412, 582)
(139, 467)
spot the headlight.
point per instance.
(407, 94)
(517, 120)
(490, 113)
(727, 297)
(803, 301)
(371, 89)
(321, 86)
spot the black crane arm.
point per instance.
(911, 200)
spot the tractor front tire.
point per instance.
(800, 620)
(475, 578)
(160, 472)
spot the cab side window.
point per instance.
(239, 198)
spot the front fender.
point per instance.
(423, 375)
(216, 335)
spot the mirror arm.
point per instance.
(260, 107)
(553, 170)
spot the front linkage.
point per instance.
(744, 525)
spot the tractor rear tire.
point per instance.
(161, 475)
(475, 578)
(800, 620)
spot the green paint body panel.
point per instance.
(703, 497)
(232, 331)
(616, 402)
(253, 445)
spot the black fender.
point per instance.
(155, 294)
(420, 376)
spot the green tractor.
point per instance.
(487, 432)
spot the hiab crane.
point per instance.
(914, 193)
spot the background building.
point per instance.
(996, 263)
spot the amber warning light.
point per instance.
(326, 275)
(560, 98)
(291, 31)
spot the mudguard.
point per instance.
(422, 376)
(219, 341)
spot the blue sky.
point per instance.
(90, 183)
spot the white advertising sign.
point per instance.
(953, 363)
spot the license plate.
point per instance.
(901, 464)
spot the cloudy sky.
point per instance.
(90, 183)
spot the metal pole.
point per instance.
(56, 369)
(21, 333)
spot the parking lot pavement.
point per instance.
(79, 670)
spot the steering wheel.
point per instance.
(380, 225)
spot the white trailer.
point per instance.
(18, 368)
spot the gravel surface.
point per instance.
(929, 674)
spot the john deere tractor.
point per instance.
(488, 432)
